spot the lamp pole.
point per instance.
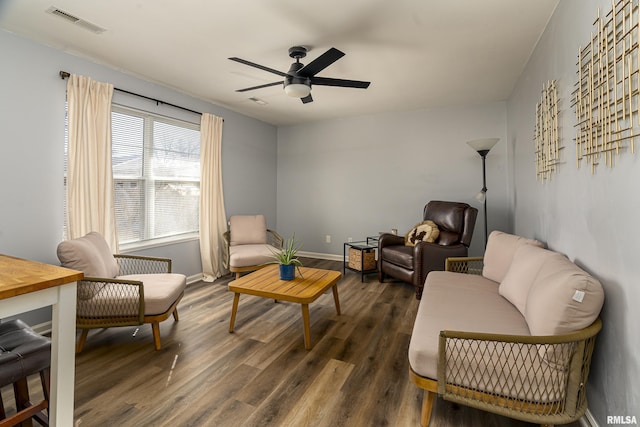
(483, 154)
(483, 146)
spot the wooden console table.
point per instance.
(28, 285)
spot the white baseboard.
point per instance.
(587, 420)
(43, 328)
(330, 257)
(194, 278)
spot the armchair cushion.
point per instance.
(499, 253)
(247, 229)
(249, 255)
(426, 231)
(90, 254)
(160, 290)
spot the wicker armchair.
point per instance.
(120, 290)
(537, 379)
(249, 243)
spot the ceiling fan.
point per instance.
(300, 77)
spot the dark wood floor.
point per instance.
(261, 375)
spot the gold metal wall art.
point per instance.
(606, 96)
(546, 133)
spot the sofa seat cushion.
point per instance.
(250, 255)
(399, 255)
(458, 302)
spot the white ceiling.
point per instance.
(416, 53)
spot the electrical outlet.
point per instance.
(349, 239)
(327, 238)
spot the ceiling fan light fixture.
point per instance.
(297, 90)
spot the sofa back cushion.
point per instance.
(499, 253)
(90, 254)
(563, 298)
(247, 229)
(525, 266)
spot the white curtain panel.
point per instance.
(213, 221)
(90, 205)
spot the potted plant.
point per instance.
(286, 258)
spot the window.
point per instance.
(156, 174)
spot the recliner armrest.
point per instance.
(432, 256)
(388, 239)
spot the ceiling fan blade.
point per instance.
(262, 67)
(323, 81)
(307, 99)
(321, 62)
(259, 87)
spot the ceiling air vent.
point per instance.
(75, 20)
(258, 101)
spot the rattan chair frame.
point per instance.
(563, 377)
(127, 307)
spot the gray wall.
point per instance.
(32, 150)
(354, 177)
(593, 219)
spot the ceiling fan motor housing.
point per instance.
(297, 52)
(299, 80)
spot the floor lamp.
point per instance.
(483, 146)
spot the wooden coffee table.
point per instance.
(304, 290)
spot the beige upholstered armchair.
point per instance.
(250, 244)
(120, 290)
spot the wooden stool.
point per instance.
(23, 352)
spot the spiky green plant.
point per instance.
(287, 255)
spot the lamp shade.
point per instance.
(297, 90)
(485, 144)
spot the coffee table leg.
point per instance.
(234, 309)
(307, 329)
(335, 298)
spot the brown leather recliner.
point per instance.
(411, 264)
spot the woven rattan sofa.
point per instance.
(511, 333)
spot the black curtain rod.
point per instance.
(64, 75)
